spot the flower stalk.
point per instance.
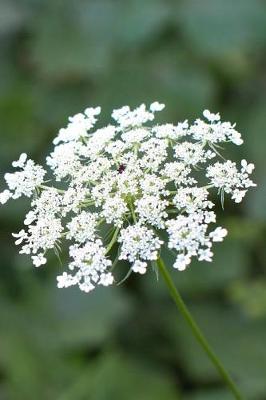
(196, 330)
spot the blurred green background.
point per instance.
(128, 343)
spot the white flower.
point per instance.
(127, 118)
(178, 173)
(106, 279)
(154, 153)
(135, 135)
(216, 132)
(65, 280)
(225, 176)
(211, 117)
(122, 191)
(97, 142)
(139, 267)
(114, 209)
(153, 184)
(187, 233)
(205, 255)
(247, 167)
(25, 182)
(138, 243)
(157, 106)
(5, 196)
(20, 236)
(116, 149)
(21, 161)
(38, 260)
(42, 235)
(48, 203)
(78, 126)
(192, 199)
(182, 261)
(73, 197)
(64, 160)
(30, 217)
(238, 195)
(151, 209)
(170, 131)
(192, 153)
(89, 265)
(82, 227)
(188, 236)
(218, 234)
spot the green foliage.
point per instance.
(57, 58)
(116, 377)
(239, 344)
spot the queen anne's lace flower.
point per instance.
(226, 177)
(82, 227)
(90, 266)
(126, 190)
(24, 181)
(5, 196)
(78, 126)
(139, 243)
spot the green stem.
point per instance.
(132, 212)
(113, 240)
(196, 331)
(50, 187)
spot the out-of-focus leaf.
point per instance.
(218, 29)
(62, 51)
(115, 22)
(31, 373)
(68, 318)
(256, 202)
(18, 124)
(255, 139)
(12, 16)
(211, 394)
(89, 35)
(37, 335)
(117, 377)
(168, 76)
(244, 230)
(89, 319)
(239, 343)
(250, 296)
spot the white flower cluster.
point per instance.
(24, 181)
(139, 243)
(124, 187)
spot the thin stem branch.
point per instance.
(132, 212)
(196, 330)
(113, 240)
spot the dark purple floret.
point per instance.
(121, 168)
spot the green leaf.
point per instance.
(209, 394)
(238, 342)
(39, 334)
(221, 28)
(183, 86)
(87, 37)
(116, 377)
(114, 23)
(12, 16)
(250, 296)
